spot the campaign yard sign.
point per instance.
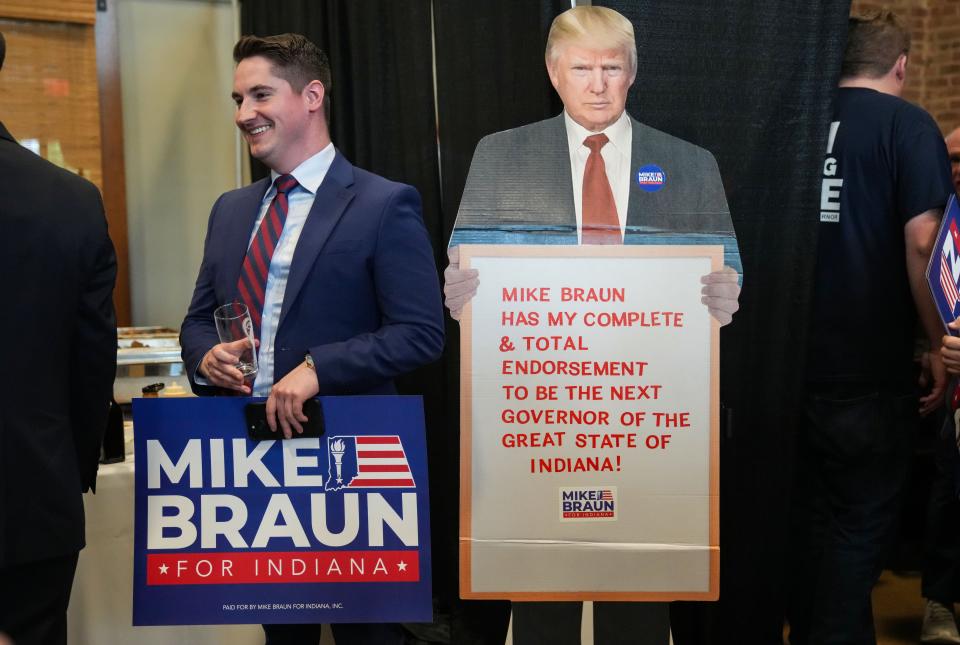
(943, 271)
(311, 530)
(589, 424)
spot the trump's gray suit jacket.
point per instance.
(520, 191)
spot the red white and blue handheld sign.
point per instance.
(322, 530)
(943, 271)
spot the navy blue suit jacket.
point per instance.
(363, 295)
(60, 352)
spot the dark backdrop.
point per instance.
(750, 81)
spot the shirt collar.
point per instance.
(618, 133)
(311, 172)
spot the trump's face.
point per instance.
(592, 83)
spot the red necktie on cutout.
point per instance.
(600, 222)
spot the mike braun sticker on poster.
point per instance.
(318, 530)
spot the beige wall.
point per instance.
(179, 142)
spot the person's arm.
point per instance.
(93, 359)
(411, 314)
(920, 233)
(209, 364)
(950, 352)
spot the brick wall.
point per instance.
(942, 95)
(933, 71)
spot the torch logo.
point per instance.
(337, 448)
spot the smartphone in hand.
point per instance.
(259, 430)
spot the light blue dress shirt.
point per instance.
(309, 176)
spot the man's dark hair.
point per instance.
(295, 59)
(3, 49)
(874, 43)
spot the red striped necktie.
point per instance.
(252, 284)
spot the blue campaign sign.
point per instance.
(943, 271)
(323, 530)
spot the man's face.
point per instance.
(953, 149)
(592, 83)
(273, 118)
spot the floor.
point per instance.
(897, 608)
(897, 605)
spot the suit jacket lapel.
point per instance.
(237, 234)
(332, 197)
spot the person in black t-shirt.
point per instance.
(885, 182)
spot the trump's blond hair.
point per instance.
(594, 28)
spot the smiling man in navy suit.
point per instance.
(333, 262)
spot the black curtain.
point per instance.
(490, 77)
(753, 83)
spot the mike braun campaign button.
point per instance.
(651, 178)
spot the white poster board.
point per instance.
(589, 424)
